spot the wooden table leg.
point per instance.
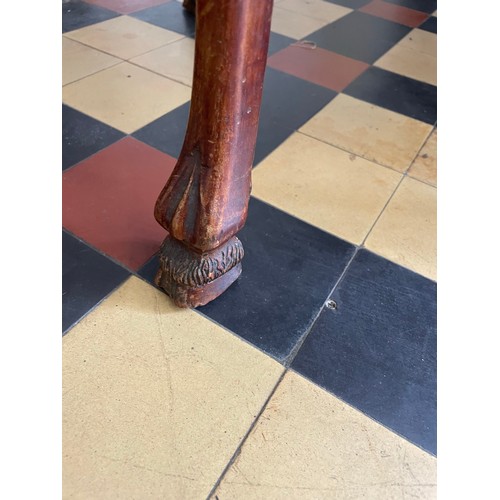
(205, 201)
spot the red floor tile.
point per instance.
(396, 13)
(108, 200)
(126, 6)
(317, 65)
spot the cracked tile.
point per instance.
(155, 398)
(385, 320)
(309, 444)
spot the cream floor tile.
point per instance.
(124, 36)
(294, 25)
(175, 60)
(156, 399)
(424, 167)
(325, 186)
(406, 231)
(421, 41)
(309, 445)
(369, 131)
(317, 9)
(117, 96)
(414, 56)
(79, 61)
(409, 63)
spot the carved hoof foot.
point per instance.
(193, 279)
(190, 6)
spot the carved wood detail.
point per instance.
(205, 201)
(188, 268)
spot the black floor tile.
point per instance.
(359, 36)
(428, 6)
(377, 349)
(430, 25)
(167, 132)
(148, 270)
(278, 119)
(397, 93)
(278, 42)
(288, 102)
(83, 136)
(87, 277)
(171, 16)
(352, 4)
(77, 14)
(289, 269)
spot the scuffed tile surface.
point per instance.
(155, 398)
(308, 444)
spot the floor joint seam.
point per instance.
(246, 436)
(357, 155)
(382, 211)
(293, 353)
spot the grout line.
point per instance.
(129, 60)
(359, 410)
(405, 174)
(109, 257)
(159, 74)
(71, 167)
(427, 137)
(279, 6)
(95, 306)
(287, 364)
(293, 353)
(245, 437)
(361, 245)
(427, 183)
(383, 210)
(95, 48)
(233, 333)
(212, 320)
(355, 154)
(94, 73)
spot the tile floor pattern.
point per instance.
(314, 375)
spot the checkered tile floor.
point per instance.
(314, 375)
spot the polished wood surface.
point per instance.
(204, 203)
